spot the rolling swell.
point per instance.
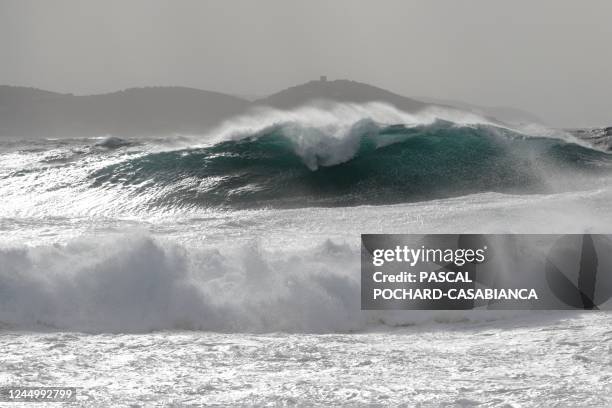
(289, 166)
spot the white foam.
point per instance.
(323, 133)
(336, 120)
(135, 283)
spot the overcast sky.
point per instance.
(552, 58)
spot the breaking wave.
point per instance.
(135, 283)
(289, 165)
(343, 155)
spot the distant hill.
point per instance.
(32, 113)
(337, 91)
(17, 94)
(158, 111)
(503, 113)
(601, 137)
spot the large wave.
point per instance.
(340, 155)
(291, 165)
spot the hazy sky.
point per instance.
(553, 58)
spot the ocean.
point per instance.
(224, 269)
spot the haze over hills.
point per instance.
(158, 111)
(504, 113)
(339, 91)
(33, 113)
(28, 113)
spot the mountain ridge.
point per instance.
(33, 113)
(163, 110)
(339, 90)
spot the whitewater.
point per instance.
(223, 269)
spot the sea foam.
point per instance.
(137, 283)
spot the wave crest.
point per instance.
(293, 166)
(341, 154)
